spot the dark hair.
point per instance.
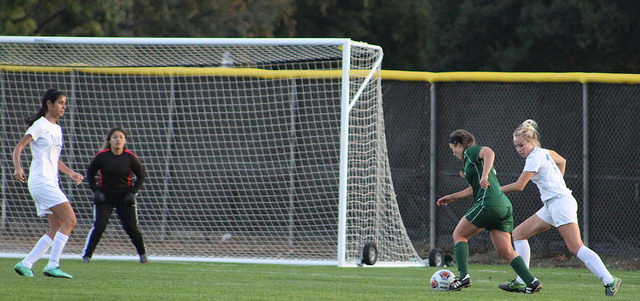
(113, 130)
(51, 96)
(463, 137)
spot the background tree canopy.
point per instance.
(425, 35)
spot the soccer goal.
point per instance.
(256, 150)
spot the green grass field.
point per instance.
(158, 280)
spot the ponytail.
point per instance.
(529, 130)
(51, 95)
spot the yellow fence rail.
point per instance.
(577, 77)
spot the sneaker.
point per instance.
(23, 270)
(143, 258)
(513, 286)
(534, 287)
(459, 284)
(610, 289)
(55, 272)
(86, 259)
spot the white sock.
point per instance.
(41, 247)
(523, 249)
(594, 264)
(59, 241)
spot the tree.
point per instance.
(511, 35)
(221, 18)
(14, 18)
(63, 17)
(468, 34)
(433, 35)
(398, 26)
(589, 36)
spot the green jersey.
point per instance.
(473, 166)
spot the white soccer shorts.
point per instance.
(559, 211)
(46, 196)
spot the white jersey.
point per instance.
(45, 149)
(547, 174)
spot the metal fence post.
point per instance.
(585, 164)
(432, 169)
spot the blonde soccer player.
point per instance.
(546, 168)
(44, 136)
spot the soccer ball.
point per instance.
(441, 280)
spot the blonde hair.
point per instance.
(529, 130)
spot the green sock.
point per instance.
(461, 251)
(521, 269)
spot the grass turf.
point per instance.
(159, 280)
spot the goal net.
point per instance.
(256, 150)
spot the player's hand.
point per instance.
(484, 182)
(130, 199)
(444, 201)
(77, 178)
(18, 174)
(98, 198)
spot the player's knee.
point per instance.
(71, 222)
(129, 229)
(517, 234)
(507, 254)
(459, 236)
(132, 228)
(574, 248)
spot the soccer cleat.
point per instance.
(459, 283)
(55, 272)
(143, 258)
(86, 259)
(23, 270)
(534, 287)
(611, 289)
(513, 286)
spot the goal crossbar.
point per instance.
(174, 41)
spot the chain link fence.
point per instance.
(591, 125)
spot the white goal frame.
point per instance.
(348, 101)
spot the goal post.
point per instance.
(257, 150)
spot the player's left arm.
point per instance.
(488, 156)
(69, 172)
(445, 200)
(139, 171)
(560, 161)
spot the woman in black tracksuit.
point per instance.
(115, 190)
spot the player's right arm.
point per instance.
(92, 169)
(445, 200)
(18, 173)
(518, 185)
(488, 156)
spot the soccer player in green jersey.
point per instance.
(491, 210)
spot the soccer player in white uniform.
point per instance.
(45, 139)
(546, 168)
